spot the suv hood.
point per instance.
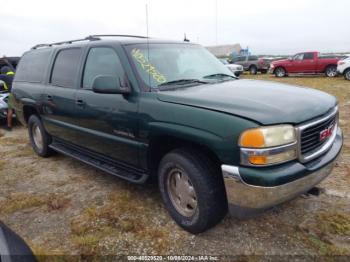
(264, 102)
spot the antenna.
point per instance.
(147, 33)
(216, 22)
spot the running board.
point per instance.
(111, 167)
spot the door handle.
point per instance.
(79, 102)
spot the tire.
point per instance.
(280, 72)
(331, 71)
(204, 179)
(237, 74)
(38, 136)
(347, 74)
(253, 70)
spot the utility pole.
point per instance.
(216, 22)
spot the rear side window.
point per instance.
(32, 66)
(308, 56)
(239, 59)
(65, 69)
(252, 58)
(101, 61)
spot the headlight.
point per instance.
(268, 145)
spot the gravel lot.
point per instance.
(63, 207)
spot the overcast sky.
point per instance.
(266, 26)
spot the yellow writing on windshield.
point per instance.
(147, 66)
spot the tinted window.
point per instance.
(308, 56)
(101, 61)
(252, 58)
(239, 59)
(32, 66)
(66, 67)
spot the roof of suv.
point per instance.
(121, 39)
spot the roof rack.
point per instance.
(88, 38)
(133, 36)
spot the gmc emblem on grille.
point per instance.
(324, 134)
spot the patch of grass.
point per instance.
(325, 249)
(123, 217)
(10, 141)
(3, 165)
(57, 202)
(87, 243)
(22, 201)
(25, 151)
(338, 223)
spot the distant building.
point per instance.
(224, 50)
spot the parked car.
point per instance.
(236, 69)
(139, 108)
(306, 63)
(344, 68)
(252, 63)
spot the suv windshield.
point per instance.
(176, 64)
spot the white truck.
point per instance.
(344, 67)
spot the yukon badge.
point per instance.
(324, 134)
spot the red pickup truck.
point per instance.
(306, 63)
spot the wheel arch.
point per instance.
(160, 145)
(280, 66)
(29, 110)
(327, 66)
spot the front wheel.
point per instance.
(38, 136)
(253, 70)
(331, 71)
(347, 74)
(192, 189)
(280, 72)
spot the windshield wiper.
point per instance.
(219, 75)
(183, 82)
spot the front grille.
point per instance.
(310, 137)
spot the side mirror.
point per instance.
(109, 85)
(290, 58)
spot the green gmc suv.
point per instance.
(139, 107)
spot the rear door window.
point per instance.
(102, 61)
(66, 67)
(33, 65)
(308, 56)
(252, 58)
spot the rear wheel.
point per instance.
(192, 189)
(331, 71)
(280, 72)
(39, 138)
(253, 70)
(347, 74)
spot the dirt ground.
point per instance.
(63, 207)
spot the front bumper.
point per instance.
(241, 194)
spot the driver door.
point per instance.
(107, 122)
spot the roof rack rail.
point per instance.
(133, 36)
(89, 38)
